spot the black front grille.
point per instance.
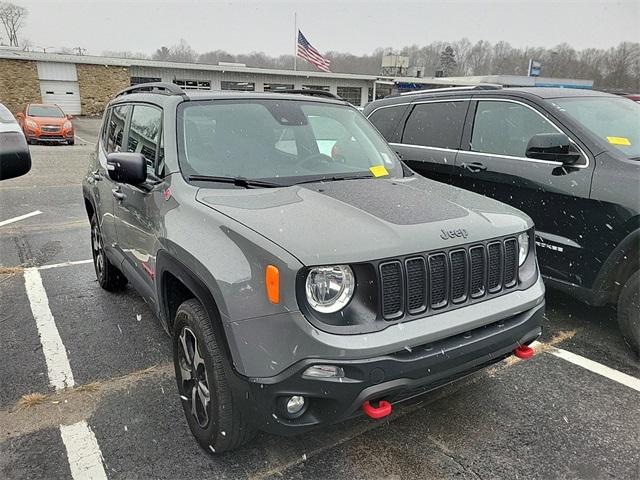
(392, 301)
(449, 279)
(494, 276)
(510, 262)
(416, 285)
(438, 280)
(458, 276)
(478, 271)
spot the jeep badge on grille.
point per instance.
(448, 234)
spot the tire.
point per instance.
(629, 312)
(218, 424)
(109, 277)
(71, 142)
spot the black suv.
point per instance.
(568, 158)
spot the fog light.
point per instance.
(324, 371)
(295, 404)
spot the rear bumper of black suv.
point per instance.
(395, 377)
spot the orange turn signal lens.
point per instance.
(272, 280)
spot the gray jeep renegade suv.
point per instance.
(304, 274)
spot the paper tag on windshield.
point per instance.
(379, 171)
(619, 141)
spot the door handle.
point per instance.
(474, 167)
(118, 194)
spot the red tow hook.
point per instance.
(524, 352)
(383, 409)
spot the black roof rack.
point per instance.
(154, 87)
(310, 92)
(479, 86)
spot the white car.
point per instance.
(8, 123)
(15, 159)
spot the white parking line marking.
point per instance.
(83, 140)
(55, 355)
(595, 367)
(598, 368)
(83, 452)
(21, 217)
(63, 264)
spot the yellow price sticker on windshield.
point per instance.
(619, 141)
(379, 171)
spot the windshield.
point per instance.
(50, 111)
(615, 120)
(288, 140)
(5, 115)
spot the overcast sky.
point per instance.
(242, 26)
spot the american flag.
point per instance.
(311, 55)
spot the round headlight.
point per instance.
(329, 289)
(523, 243)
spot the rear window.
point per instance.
(50, 111)
(5, 115)
(437, 124)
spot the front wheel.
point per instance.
(213, 417)
(629, 312)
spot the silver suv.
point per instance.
(304, 273)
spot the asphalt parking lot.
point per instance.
(557, 415)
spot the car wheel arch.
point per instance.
(619, 266)
(170, 270)
(88, 204)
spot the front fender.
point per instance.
(619, 266)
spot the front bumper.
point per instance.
(395, 377)
(49, 137)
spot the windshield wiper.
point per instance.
(335, 178)
(237, 181)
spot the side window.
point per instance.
(104, 134)
(144, 133)
(117, 121)
(437, 124)
(386, 120)
(505, 128)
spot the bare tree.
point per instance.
(12, 17)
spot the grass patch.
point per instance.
(31, 400)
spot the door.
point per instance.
(138, 209)
(65, 94)
(110, 141)
(554, 196)
(431, 137)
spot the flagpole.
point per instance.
(295, 40)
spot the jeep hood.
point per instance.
(360, 220)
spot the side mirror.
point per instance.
(15, 158)
(130, 168)
(555, 147)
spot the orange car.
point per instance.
(46, 123)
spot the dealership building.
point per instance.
(83, 84)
